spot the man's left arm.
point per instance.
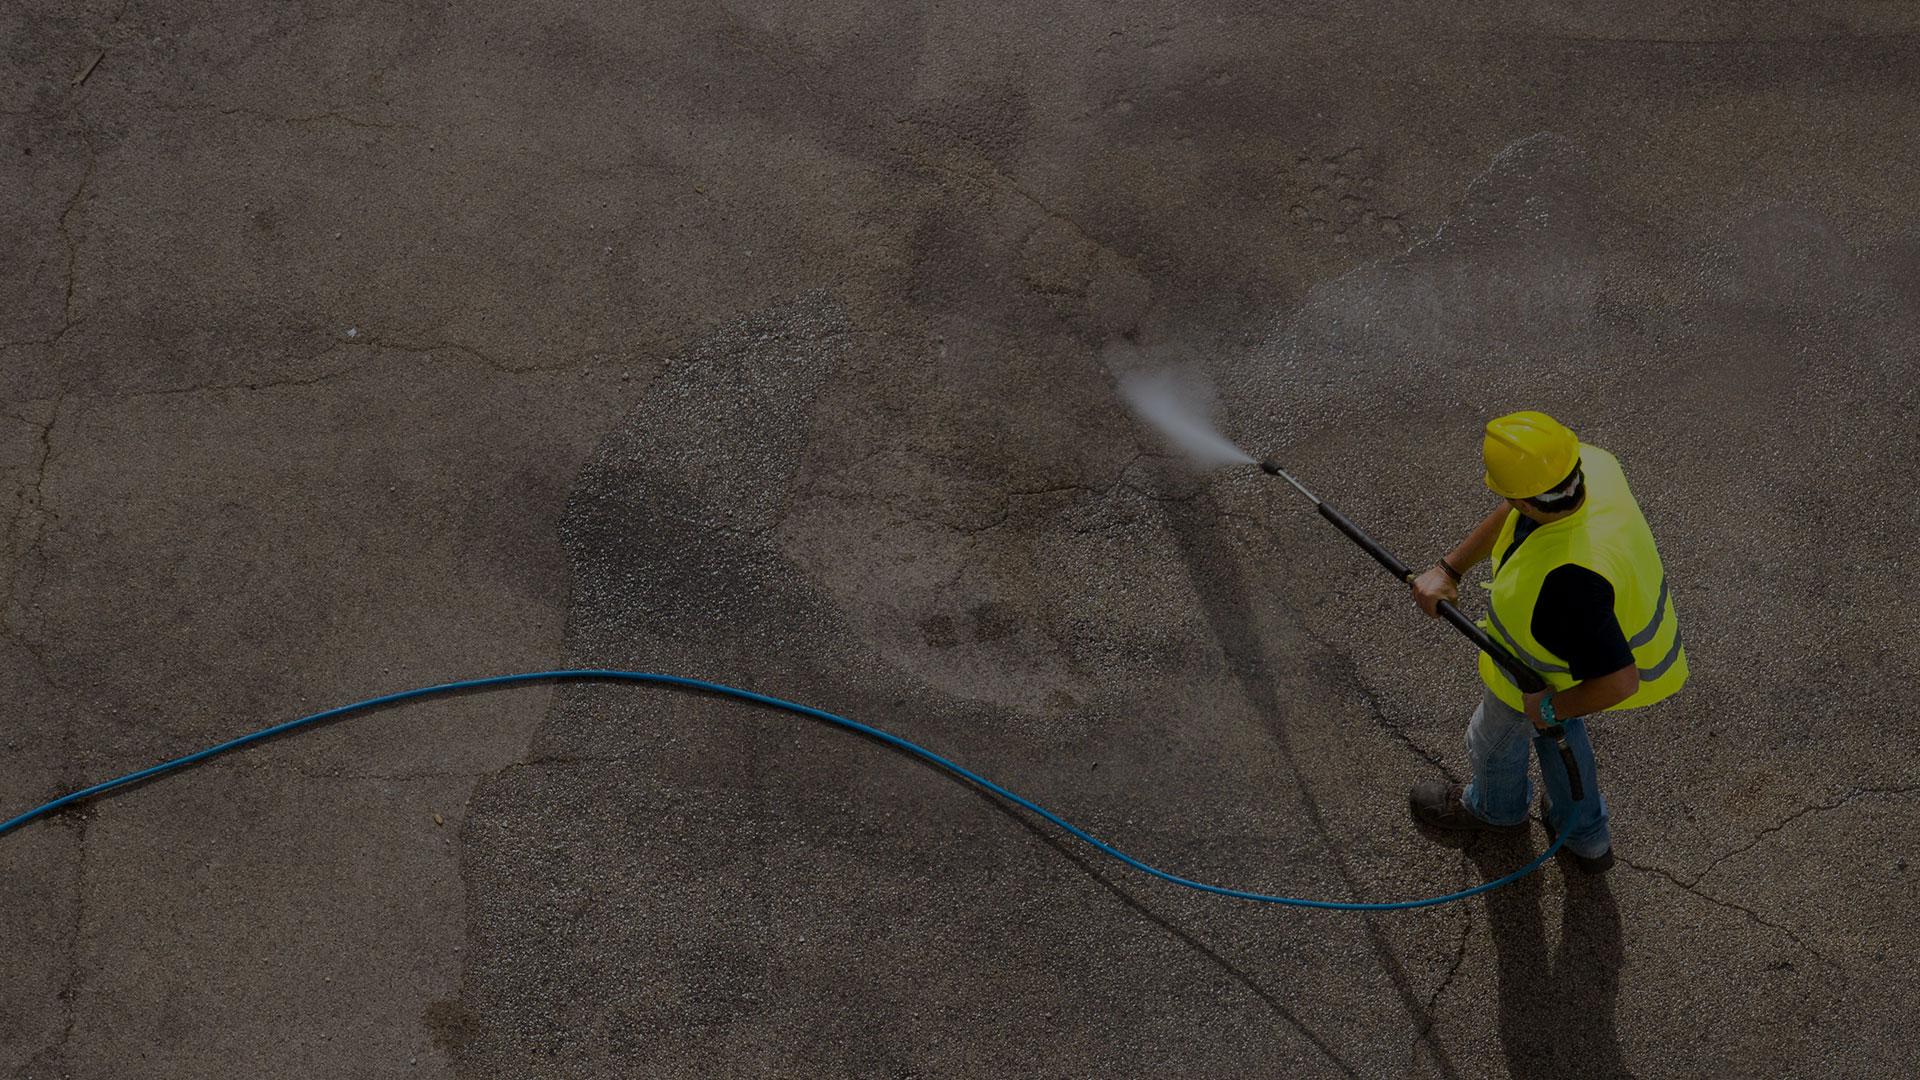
(1590, 696)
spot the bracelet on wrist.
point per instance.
(1451, 572)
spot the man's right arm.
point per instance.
(1479, 543)
(1436, 584)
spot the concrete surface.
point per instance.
(350, 347)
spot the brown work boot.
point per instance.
(1437, 803)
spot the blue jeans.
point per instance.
(1501, 791)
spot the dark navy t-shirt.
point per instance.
(1574, 615)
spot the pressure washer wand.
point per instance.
(1529, 680)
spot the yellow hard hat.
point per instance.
(1528, 454)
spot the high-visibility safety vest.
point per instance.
(1609, 536)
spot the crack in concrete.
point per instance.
(359, 776)
(1050, 290)
(37, 489)
(1320, 292)
(550, 759)
(261, 114)
(1751, 914)
(71, 988)
(1077, 857)
(1119, 480)
(402, 346)
(448, 346)
(1005, 180)
(1832, 804)
(973, 532)
(745, 34)
(1756, 42)
(759, 840)
(32, 507)
(73, 242)
(312, 380)
(1350, 673)
(1459, 958)
(288, 767)
(1070, 223)
(1000, 178)
(1005, 513)
(1222, 595)
(51, 342)
(34, 652)
(273, 384)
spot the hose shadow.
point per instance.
(1078, 858)
(1222, 591)
(1074, 853)
(1580, 981)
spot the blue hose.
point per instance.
(804, 710)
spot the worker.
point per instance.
(1579, 596)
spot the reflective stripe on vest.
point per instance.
(1639, 639)
(1647, 675)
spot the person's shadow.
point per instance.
(1556, 1012)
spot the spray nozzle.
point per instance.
(1272, 468)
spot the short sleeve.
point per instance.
(1574, 618)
